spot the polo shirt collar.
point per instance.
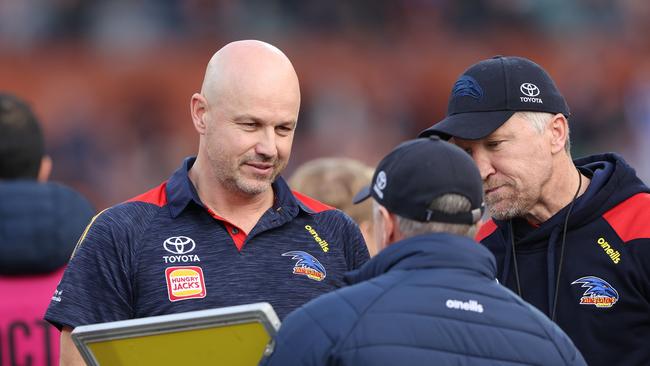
(181, 191)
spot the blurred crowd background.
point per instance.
(112, 79)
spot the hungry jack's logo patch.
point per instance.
(185, 282)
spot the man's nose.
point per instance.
(484, 164)
(266, 144)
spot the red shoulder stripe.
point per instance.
(156, 196)
(631, 218)
(315, 205)
(485, 230)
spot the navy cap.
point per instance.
(488, 93)
(418, 171)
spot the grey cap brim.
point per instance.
(468, 126)
(362, 195)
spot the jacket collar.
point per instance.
(436, 250)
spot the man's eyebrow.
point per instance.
(248, 117)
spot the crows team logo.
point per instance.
(306, 265)
(599, 293)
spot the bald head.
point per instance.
(246, 115)
(244, 66)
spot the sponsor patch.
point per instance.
(180, 247)
(599, 293)
(306, 265)
(185, 283)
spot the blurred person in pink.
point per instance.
(335, 181)
(40, 222)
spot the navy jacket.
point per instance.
(603, 293)
(40, 224)
(428, 300)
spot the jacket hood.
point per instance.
(437, 250)
(612, 182)
(40, 224)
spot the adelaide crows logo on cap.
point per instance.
(467, 86)
(306, 265)
(599, 293)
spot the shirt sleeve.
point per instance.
(96, 285)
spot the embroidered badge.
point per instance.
(306, 265)
(599, 293)
(185, 283)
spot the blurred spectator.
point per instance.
(40, 223)
(335, 181)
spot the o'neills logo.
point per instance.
(471, 305)
(613, 254)
(185, 283)
(323, 243)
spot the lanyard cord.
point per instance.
(559, 270)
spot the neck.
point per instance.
(561, 189)
(240, 209)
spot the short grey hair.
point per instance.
(448, 203)
(539, 121)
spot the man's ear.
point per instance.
(559, 128)
(198, 111)
(391, 232)
(45, 169)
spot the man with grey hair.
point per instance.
(570, 236)
(430, 296)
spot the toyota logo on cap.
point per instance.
(179, 245)
(529, 89)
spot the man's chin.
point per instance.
(254, 186)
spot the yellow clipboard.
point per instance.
(236, 335)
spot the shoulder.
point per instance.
(339, 311)
(630, 218)
(311, 204)
(324, 214)
(126, 219)
(486, 229)
(156, 196)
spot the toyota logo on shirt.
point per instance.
(179, 245)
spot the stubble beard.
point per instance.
(254, 184)
(506, 205)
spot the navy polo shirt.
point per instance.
(164, 252)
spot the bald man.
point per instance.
(224, 229)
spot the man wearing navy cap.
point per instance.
(430, 297)
(570, 236)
